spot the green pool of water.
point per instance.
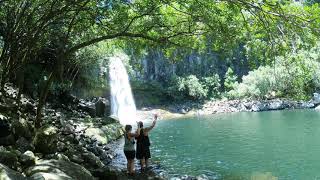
(275, 144)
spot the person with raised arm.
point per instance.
(143, 144)
(129, 149)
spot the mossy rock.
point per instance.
(21, 128)
(45, 140)
(58, 170)
(98, 134)
(8, 158)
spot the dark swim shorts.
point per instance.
(130, 154)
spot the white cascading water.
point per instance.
(122, 102)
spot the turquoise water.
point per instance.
(279, 144)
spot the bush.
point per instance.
(294, 76)
(212, 86)
(256, 84)
(189, 87)
(229, 80)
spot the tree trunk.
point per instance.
(20, 82)
(3, 80)
(42, 100)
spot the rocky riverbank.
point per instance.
(73, 143)
(227, 106)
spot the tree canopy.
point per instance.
(49, 32)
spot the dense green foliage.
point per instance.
(191, 87)
(295, 75)
(229, 80)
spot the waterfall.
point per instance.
(122, 102)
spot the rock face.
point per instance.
(58, 170)
(45, 140)
(8, 174)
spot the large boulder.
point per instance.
(28, 159)
(91, 160)
(259, 106)
(88, 107)
(102, 107)
(104, 133)
(277, 105)
(9, 174)
(97, 134)
(57, 170)
(45, 140)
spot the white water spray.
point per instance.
(122, 102)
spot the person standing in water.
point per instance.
(129, 149)
(143, 144)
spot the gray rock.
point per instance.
(95, 150)
(9, 174)
(45, 140)
(28, 159)
(202, 177)
(92, 160)
(183, 111)
(76, 159)
(258, 106)
(63, 157)
(317, 108)
(276, 105)
(316, 98)
(304, 105)
(61, 146)
(23, 145)
(58, 170)
(88, 107)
